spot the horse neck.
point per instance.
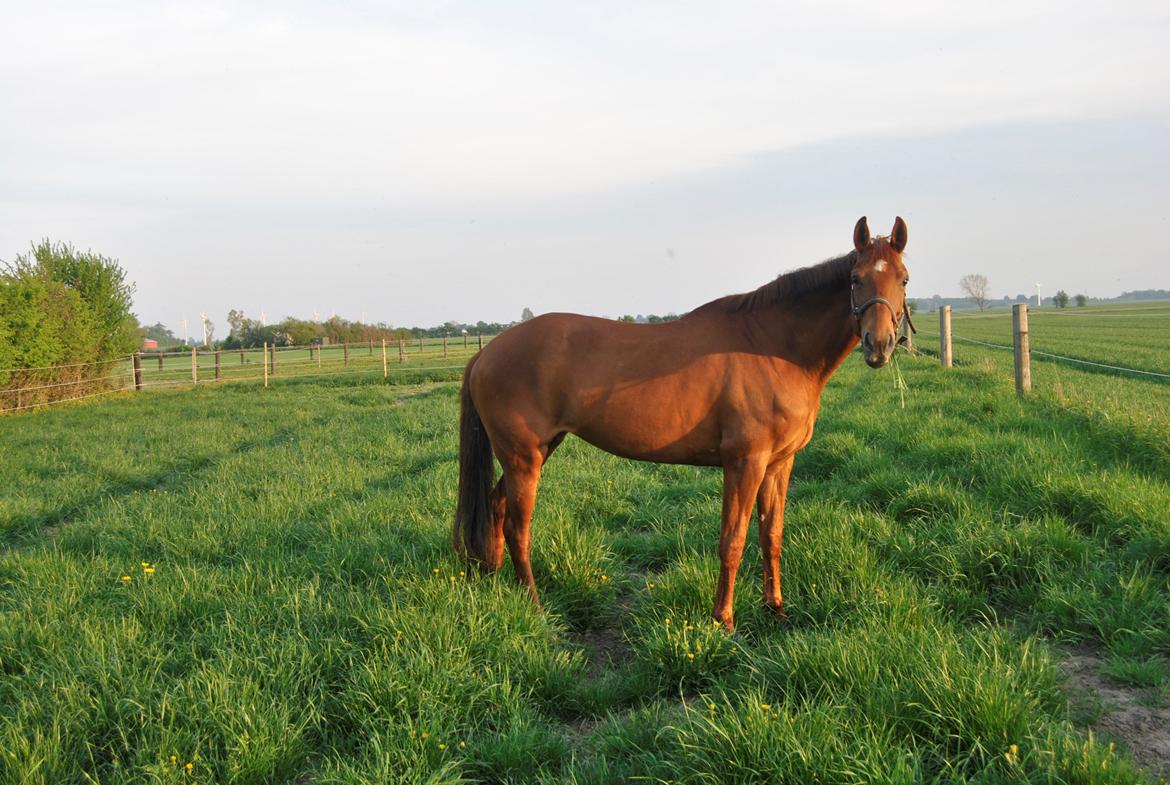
(816, 331)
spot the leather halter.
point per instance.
(858, 310)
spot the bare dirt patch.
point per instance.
(1117, 712)
(607, 649)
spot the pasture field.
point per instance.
(294, 612)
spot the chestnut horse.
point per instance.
(735, 383)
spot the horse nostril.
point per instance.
(867, 341)
(890, 343)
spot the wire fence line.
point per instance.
(200, 367)
(1052, 356)
(1021, 346)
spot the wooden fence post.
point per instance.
(345, 353)
(218, 363)
(241, 356)
(160, 356)
(194, 366)
(1023, 350)
(371, 346)
(420, 344)
(319, 356)
(138, 370)
(944, 336)
(401, 351)
(266, 365)
(481, 341)
(385, 370)
(272, 357)
(464, 339)
(444, 347)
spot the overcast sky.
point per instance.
(416, 162)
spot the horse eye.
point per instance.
(854, 279)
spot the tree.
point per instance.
(161, 333)
(1061, 299)
(976, 287)
(1082, 300)
(208, 332)
(526, 314)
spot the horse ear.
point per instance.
(861, 234)
(899, 235)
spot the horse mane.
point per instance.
(788, 286)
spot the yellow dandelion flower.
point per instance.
(148, 570)
(190, 767)
(766, 706)
(174, 759)
(435, 570)
(667, 621)
(604, 578)
(733, 650)
(711, 706)
(649, 585)
(462, 745)
(424, 735)
(125, 579)
(698, 649)
(690, 656)
(145, 564)
(462, 574)
(442, 746)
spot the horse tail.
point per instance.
(473, 532)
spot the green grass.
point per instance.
(307, 621)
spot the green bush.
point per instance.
(61, 307)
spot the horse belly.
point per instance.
(650, 422)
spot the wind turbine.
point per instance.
(203, 316)
(185, 340)
(1037, 294)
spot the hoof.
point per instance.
(779, 615)
(727, 624)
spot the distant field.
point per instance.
(306, 621)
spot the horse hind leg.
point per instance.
(497, 515)
(497, 510)
(522, 467)
(520, 481)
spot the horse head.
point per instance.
(878, 290)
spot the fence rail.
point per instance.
(193, 367)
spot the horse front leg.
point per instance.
(741, 482)
(770, 503)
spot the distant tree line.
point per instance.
(248, 333)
